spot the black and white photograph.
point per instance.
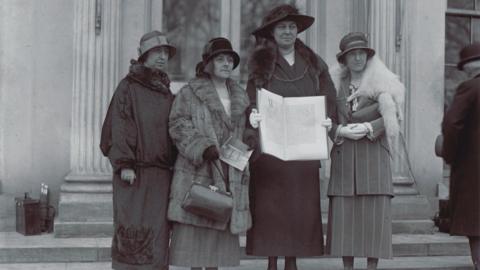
(356, 125)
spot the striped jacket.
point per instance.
(362, 167)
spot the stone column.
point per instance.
(388, 29)
(85, 206)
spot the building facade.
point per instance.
(60, 62)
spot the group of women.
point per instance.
(159, 145)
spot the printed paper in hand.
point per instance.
(235, 153)
(291, 127)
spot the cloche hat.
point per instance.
(354, 41)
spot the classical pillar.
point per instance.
(388, 24)
(85, 206)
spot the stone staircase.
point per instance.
(416, 243)
(411, 251)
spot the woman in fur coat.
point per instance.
(135, 139)
(285, 195)
(208, 111)
(369, 102)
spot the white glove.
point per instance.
(128, 175)
(327, 123)
(353, 131)
(255, 118)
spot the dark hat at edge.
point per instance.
(468, 54)
(283, 13)
(353, 41)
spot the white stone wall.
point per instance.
(36, 77)
(35, 88)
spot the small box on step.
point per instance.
(28, 215)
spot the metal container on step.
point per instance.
(28, 215)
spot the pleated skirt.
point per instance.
(193, 246)
(360, 226)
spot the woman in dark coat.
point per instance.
(135, 138)
(208, 111)
(461, 149)
(369, 102)
(285, 195)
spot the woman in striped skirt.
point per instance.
(369, 100)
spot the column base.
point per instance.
(85, 207)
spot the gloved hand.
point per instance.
(128, 175)
(327, 123)
(255, 118)
(353, 131)
(252, 142)
(211, 153)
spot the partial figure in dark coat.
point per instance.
(369, 104)
(461, 149)
(285, 195)
(135, 138)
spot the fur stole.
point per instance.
(382, 85)
(153, 79)
(264, 58)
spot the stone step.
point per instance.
(400, 263)
(16, 248)
(66, 229)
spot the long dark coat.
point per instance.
(461, 149)
(136, 131)
(285, 195)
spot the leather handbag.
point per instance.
(209, 202)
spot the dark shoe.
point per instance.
(272, 263)
(290, 263)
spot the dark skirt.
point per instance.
(360, 226)
(141, 229)
(285, 206)
(193, 246)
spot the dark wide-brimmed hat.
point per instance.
(283, 13)
(153, 40)
(468, 54)
(217, 46)
(353, 41)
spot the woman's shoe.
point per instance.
(272, 263)
(290, 263)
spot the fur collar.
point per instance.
(264, 58)
(153, 79)
(381, 84)
(204, 89)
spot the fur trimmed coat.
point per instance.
(198, 120)
(381, 85)
(135, 136)
(362, 167)
(285, 195)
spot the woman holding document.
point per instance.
(369, 105)
(208, 111)
(285, 195)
